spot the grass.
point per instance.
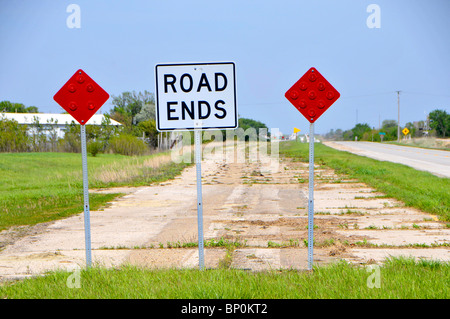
(418, 189)
(425, 142)
(40, 187)
(398, 278)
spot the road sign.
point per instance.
(196, 96)
(312, 95)
(81, 97)
(296, 130)
(405, 131)
(190, 92)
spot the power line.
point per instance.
(366, 95)
(423, 93)
(355, 97)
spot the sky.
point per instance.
(273, 43)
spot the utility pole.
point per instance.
(398, 123)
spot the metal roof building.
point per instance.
(53, 121)
(52, 118)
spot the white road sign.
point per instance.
(189, 93)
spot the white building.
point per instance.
(59, 122)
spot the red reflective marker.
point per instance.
(312, 95)
(81, 97)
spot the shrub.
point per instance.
(126, 144)
(13, 137)
(94, 147)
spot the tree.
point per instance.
(245, 124)
(360, 129)
(440, 121)
(13, 137)
(128, 104)
(148, 127)
(412, 129)
(334, 135)
(38, 138)
(72, 138)
(147, 112)
(347, 135)
(10, 107)
(390, 128)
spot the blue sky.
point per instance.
(273, 43)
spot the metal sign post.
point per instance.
(311, 198)
(198, 165)
(87, 217)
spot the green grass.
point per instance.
(40, 187)
(424, 142)
(418, 189)
(397, 278)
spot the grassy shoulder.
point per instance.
(425, 142)
(418, 189)
(40, 187)
(397, 278)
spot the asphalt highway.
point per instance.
(436, 162)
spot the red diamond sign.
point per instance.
(312, 95)
(81, 97)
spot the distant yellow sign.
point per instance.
(405, 131)
(296, 130)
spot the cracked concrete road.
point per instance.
(260, 204)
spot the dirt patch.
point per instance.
(13, 234)
(174, 258)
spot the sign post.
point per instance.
(312, 95)
(196, 97)
(87, 214)
(311, 197)
(81, 97)
(296, 130)
(198, 168)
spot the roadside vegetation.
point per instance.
(398, 278)
(418, 189)
(40, 187)
(436, 125)
(425, 142)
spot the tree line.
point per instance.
(137, 135)
(437, 125)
